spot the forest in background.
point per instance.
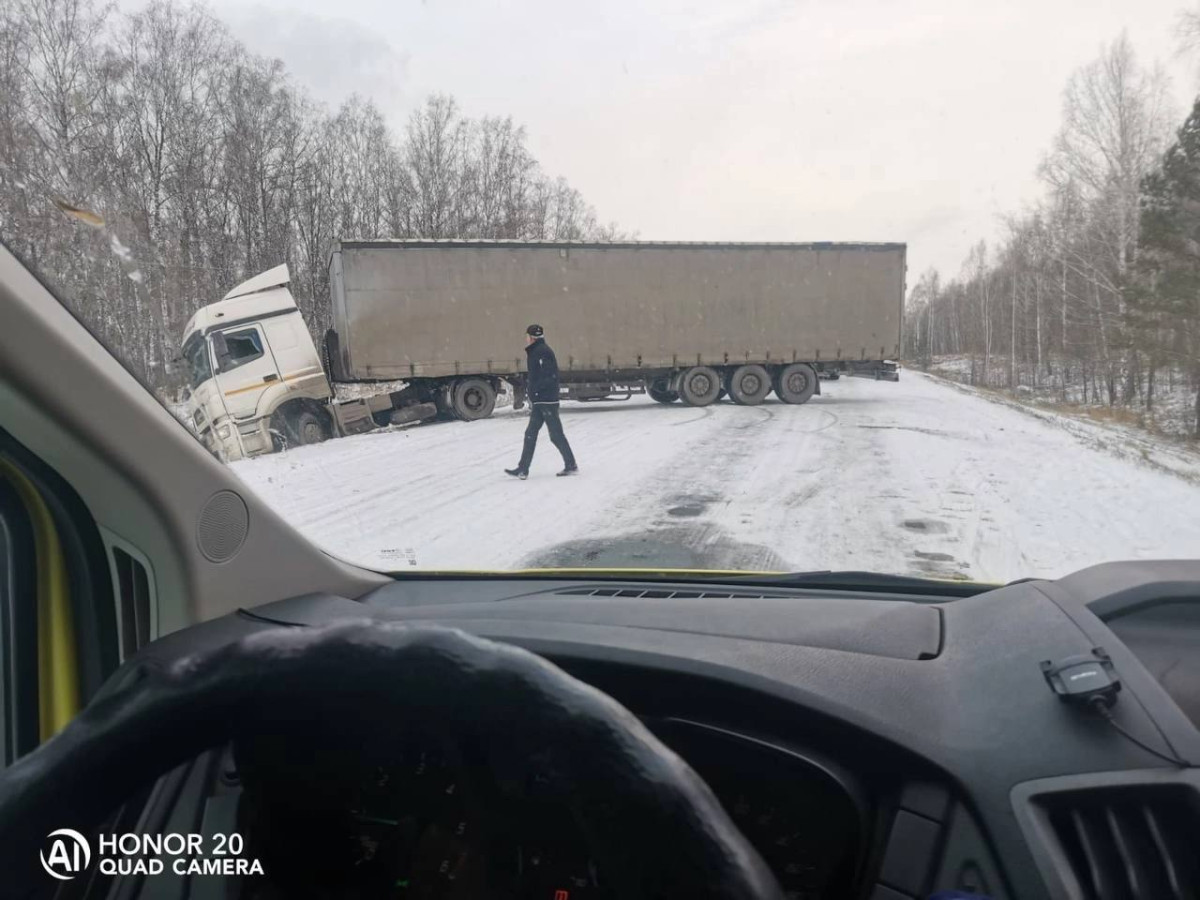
(149, 163)
(1092, 296)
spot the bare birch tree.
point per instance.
(186, 164)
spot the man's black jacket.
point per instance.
(543, 373)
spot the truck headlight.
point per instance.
(223, 432)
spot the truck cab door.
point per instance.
(245, 368)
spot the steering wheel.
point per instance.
(654, 826)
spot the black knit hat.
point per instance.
(535, 331)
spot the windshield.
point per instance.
(195, 354)
(906, 288)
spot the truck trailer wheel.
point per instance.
(796, 383)
(472, 398)
(749, 385)
(660, 391)
(699, 386)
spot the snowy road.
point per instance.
(913, 478)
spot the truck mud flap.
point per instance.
(353, 417)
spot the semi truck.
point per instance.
(425, 329)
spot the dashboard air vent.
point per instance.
(663, 594)
(1129, 843)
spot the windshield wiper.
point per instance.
(850, 580)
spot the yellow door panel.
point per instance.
(58, 669)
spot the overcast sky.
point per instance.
(877, 120)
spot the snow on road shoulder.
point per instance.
(1132, 444)
(916, 477)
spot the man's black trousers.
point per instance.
(547, 413)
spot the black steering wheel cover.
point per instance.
(655, 826)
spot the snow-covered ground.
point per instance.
(919, 477)
(1061, 386)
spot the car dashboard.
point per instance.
(870, 745)
(393, 813)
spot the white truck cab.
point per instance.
(255, 376)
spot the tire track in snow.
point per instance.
(705, 413)
(680, 494)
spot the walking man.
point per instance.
(543, 400)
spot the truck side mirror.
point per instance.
(221, 346)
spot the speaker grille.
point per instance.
(222, 528)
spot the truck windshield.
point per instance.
(196, 355)
(896, 288)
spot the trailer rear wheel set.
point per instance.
(746, 385)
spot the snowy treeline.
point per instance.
(1095, 291)
(148, 163)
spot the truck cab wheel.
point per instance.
(473, 398)
(749, 385)
(796, 383)
(700, 386)
(660, 391)
(307, 427)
